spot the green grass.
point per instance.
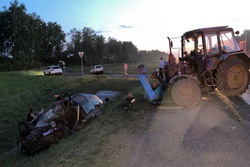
(31, 89)
(21, 91)
(132, 68)
(118, 68)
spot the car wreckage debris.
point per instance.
(59, 121)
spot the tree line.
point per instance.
(26, 41)
(97, 50)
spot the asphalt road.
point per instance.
(206, 135)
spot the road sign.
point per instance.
(81, 54)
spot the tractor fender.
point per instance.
(241, 55)
(180, 76)
(223, 57)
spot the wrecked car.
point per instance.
(62, 119)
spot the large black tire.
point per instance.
(232, 77)
(186, 92)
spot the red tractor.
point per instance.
(214, 56)
(209, 55)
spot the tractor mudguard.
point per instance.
(241, 55)
(177, 77)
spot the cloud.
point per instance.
(103, 31)
(125, 26)
(119, 27)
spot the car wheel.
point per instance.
(95, 113)
(98, 111)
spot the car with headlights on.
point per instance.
(53, 70)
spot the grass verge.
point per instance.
(30, 89)
(117, 68)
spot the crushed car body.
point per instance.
(59, 121)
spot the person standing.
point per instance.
(125, 70)
(161, 68)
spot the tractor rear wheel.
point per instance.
(186, 92)
(232, 77)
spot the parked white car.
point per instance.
(53, 70)
(97, 69)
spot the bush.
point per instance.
(7, 64)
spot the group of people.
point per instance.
(162, 66)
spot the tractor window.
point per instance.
(200, 45)
(228, 42)
(212, 44)
(189, 46)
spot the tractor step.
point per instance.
(210, 82)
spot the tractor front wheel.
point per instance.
(186, 92)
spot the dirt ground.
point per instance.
(207, 134)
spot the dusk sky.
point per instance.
(147, 23)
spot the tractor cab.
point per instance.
(207, 46)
